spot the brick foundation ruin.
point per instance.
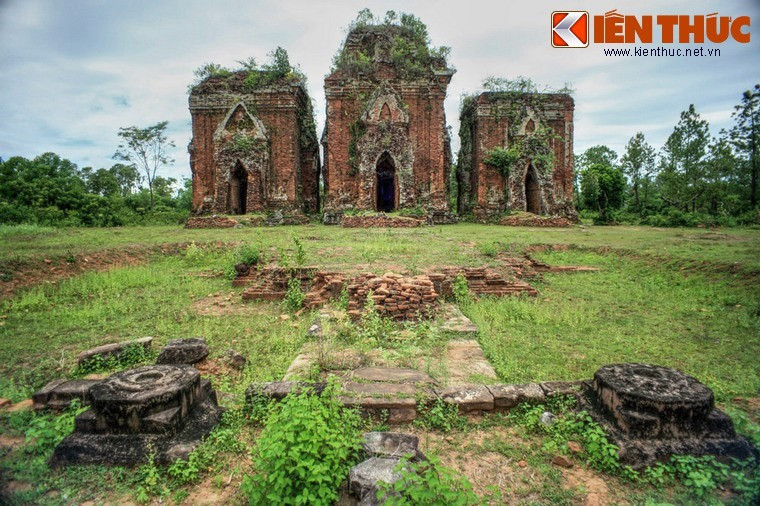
(380, 221)
(539, 128)
(254, 147)
(395, 296)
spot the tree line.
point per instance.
(694, 179)
(52, 191)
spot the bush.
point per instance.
(461, 290)
(428, 483)
(294, 297)
(305, 450)
(248, 254)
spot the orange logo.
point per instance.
(569, 29)
(615, 28)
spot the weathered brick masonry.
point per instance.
(254, 149)
(386, 146)
(504, 120)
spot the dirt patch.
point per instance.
(11, 442)
(750, 405)
(215, 367)
(592, 486)
(208, 493)
(18, 274)
(225, 304)
(15, 487)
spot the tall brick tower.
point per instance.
(386, 145)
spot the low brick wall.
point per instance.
(210, 222)
(536, 221)
(381, 221)
(395, 296)
(480, 280)
(271, 283)
(403, 401)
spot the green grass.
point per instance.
(682, 298)
(629, 312)
(47, 326)
(411, 248)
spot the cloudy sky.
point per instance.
(74, 71)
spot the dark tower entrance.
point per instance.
(238, 189)
(385, 183)
(532, 192)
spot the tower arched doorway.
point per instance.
(238, 194)
(386, 187)
(532, 191)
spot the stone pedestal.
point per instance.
(153, 409)
(183, 351)
(653, 412)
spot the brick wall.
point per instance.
(282, 172)
(490, 192)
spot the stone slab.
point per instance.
(456, 322)
(364, 478)
(380, 389)
(391, 374)
(508, 396)
(112, 349)
(466, 363)
(183, 351)
(552, 388)
(59, 393)
(468, 398)
(391, 445)
(380, 403)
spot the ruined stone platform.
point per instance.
(160, 409)
(58, 394)
(653, 412)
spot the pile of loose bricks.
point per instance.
(395, 296)
(381, 221)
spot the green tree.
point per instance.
(146, 149)
(602, 189)
(593, 155)
(127, 176)
(745, 136)
(638, 163)
(683, 161)
(720, 165)
(103, 182)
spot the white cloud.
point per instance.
(76, 71)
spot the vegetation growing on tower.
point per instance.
(400, 40)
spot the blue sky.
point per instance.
(75, 71)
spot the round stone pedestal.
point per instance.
(652, 412)
(651, 401)
(154, 408)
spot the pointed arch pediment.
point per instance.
(385, 105)
(529, 123)
(240, 120)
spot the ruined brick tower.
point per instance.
(535, 170)
(386, 145)
(254, 146)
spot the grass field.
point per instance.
(683, 298)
